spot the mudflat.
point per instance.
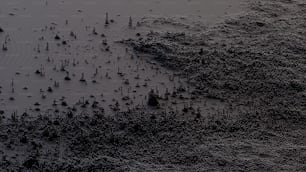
(184, 85)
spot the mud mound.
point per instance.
(256, 59)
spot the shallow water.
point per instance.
(120, 76)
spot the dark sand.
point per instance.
(236, 103)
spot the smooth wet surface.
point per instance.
(35, 65)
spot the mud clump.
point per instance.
(56, 37)
(153, 100)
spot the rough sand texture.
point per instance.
(256, 60)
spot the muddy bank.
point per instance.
(255, 60)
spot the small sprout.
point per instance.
(106, 19)
(56, 84)
(82, 78)
(4, 47)
(72, 34)
(94, 31)
(74, 109)
(38, 48)
(67, 78)
(127, 82)
(47, 46)
(54, 103)
(96, 72)
(130, 22)
(104, 42)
